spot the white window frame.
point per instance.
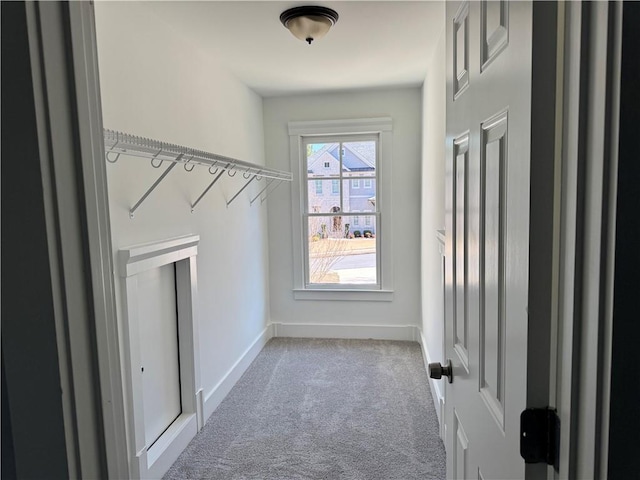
(355, 183)
(367, 180)
(382, 127)
(316, 184)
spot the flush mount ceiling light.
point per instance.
(309, 23)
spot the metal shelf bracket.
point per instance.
(152, 188)
(206, 190)
(253, 177)
(262, 200)
(269, 182)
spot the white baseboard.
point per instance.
(224, 386)
(436, 385)
(169, 446)
(317, 330)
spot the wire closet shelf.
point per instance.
(119, 143)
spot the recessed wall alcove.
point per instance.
(151, 272)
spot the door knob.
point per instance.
(436, 370)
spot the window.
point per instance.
(330, 262)
(318, 187)
(332, 256)
(326, 165)
(367, 183)
(335, 187)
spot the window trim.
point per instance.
(383, 128)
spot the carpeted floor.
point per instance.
(322, 409)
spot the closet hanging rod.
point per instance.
(118, 143)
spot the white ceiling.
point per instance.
(373, 44)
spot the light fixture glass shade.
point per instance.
(309, 28)
(309, 23)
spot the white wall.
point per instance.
(156, 83)
(404, 106)
(433, 191)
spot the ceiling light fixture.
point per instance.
(309, 23)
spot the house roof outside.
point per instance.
(357, 157)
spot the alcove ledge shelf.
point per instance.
(119, 143)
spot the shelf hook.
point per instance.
(155, 158)
(193, 165)
(215, 171)
(233, 169)
(115, 159)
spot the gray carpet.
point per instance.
(322, 409)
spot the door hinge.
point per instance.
(540, 436)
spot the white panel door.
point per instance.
(158, 324)
(487, 223)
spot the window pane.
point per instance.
(339, 251)
(323, 160)
(321, 197)
(359, 159)
(359, 199)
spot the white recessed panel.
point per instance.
(494, 27)
(461, 447)
(461, 209)
(492, 322)
(461, 49)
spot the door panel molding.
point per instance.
(461, 447)
(493, 166)
(461, 50)
(461, 246)
(494, 25)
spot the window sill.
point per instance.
(344, 295)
